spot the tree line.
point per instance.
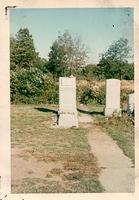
(33, 77)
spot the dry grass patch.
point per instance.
(56, 171)
(63, 155)
(125, 84)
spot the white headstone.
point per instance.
(67, 102)
(130, 105)
(112, 97)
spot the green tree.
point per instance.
(88, 71)
(114, 62)
(13, 53)
(28, 74)
(67, 55)
(119, 50)
(23, 53)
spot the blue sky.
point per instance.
(93, 25)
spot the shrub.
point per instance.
(100, 96)
(50, 90)
(87, 95)
(33, 86)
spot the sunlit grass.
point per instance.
(32, 132)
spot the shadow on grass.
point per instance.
(82, 111)
(92, 112)
(47, 110)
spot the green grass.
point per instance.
(121, 129)
(78, 170)
(36, 185)
(33, 134)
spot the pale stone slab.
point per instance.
(68, 116)
(130, 105)
(68, 120)
(112, 97)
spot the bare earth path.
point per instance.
(117, 174)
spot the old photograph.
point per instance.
(72, 100)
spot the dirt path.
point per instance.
(117, 174)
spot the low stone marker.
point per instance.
(67, 102)
(112, 97)
(130, 104)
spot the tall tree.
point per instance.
(13, 53)
(114, 62)
(67, 54)
(119, 50)
(27, 78)
(23, 53)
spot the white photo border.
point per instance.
(5, 143)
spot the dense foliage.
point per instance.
(87, 95)
(23, 53)
(114, 62)
(67, 55)
(35, 80)
(30, 80)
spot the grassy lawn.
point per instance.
(47, 159)
(121, 129)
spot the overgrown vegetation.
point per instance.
(87, 95)
(33, 87)
(35, 80)
(94, 92)
(114, 62)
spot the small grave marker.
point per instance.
(130, 104)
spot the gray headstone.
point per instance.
(112, 97)
(130, 104)
(67, 102)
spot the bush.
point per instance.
(50, 90)
(33, 86)
(87, 95)
(100, 96)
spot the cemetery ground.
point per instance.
(47, 159)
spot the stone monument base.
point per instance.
(112, 111)
(67, 120)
